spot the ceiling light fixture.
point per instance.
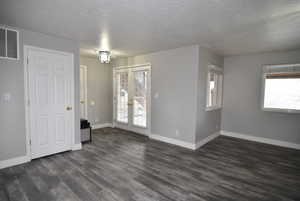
(104, 57)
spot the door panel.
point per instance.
(43, 127)
(60, 129)
(50, 92)
(132, 99)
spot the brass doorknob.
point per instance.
(130, 104)
(68, 108)
(82, 102)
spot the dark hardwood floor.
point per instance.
(120, 165)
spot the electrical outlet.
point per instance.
(177, 133)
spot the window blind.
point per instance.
(283, 75)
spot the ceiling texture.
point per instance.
(132, 27)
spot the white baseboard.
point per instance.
(97, 126)
(180, 143)
(261, 139)
(76, 147)
(188, 145)
(14, 161)
(24, 159)
(206, 140)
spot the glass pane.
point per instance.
(220, 90)
(282, 93)
(2, 43)
(212, 89)
(122, 97)
(140, 98)
(12, 44)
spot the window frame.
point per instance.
(18, 43)
(219, 71)
(264, 74)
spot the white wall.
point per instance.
(208, 122)
(174, 78)
(12, 115)
(99, 90)
(242, 98)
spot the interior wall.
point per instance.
(99, 90)
(208, 122)
(174, 83)
(242, 111)
(12, 115)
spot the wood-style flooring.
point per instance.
(122, 166)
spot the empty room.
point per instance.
(150, 100)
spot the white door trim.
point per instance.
(132, 66)
(26, 96)
(86, 92)
(147, 131)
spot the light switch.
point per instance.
(156, 95)
(92, 103)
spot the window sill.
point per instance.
(281, 110)
(212, 108)
(9, 58)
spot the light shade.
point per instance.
(104, 57)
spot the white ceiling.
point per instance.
(131, 27)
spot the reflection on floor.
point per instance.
(121, 165)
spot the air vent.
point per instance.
(9, 43)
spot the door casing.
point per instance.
(85, 91)
(27, 101)
(137, 129)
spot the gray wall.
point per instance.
(174, 78)
(208, 122)
(242, 98)
(12, 115)
(99, 90)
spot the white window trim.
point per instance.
(212, 108)
(18, 43)
(291, 111)
(220, 98)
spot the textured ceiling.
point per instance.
(131, 27)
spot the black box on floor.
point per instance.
(85, 131)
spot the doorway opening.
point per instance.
(132, 98)
(49, 95)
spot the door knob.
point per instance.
(82, 102)
(68, 108)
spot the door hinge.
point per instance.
(30, 142)
(28, 102)
(27, 61)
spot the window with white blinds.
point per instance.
(281, 88)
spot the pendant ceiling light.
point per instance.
(104, 57)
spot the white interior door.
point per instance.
(132, 96)
(51, 95)
(83, 92)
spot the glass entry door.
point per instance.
(132, 99)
